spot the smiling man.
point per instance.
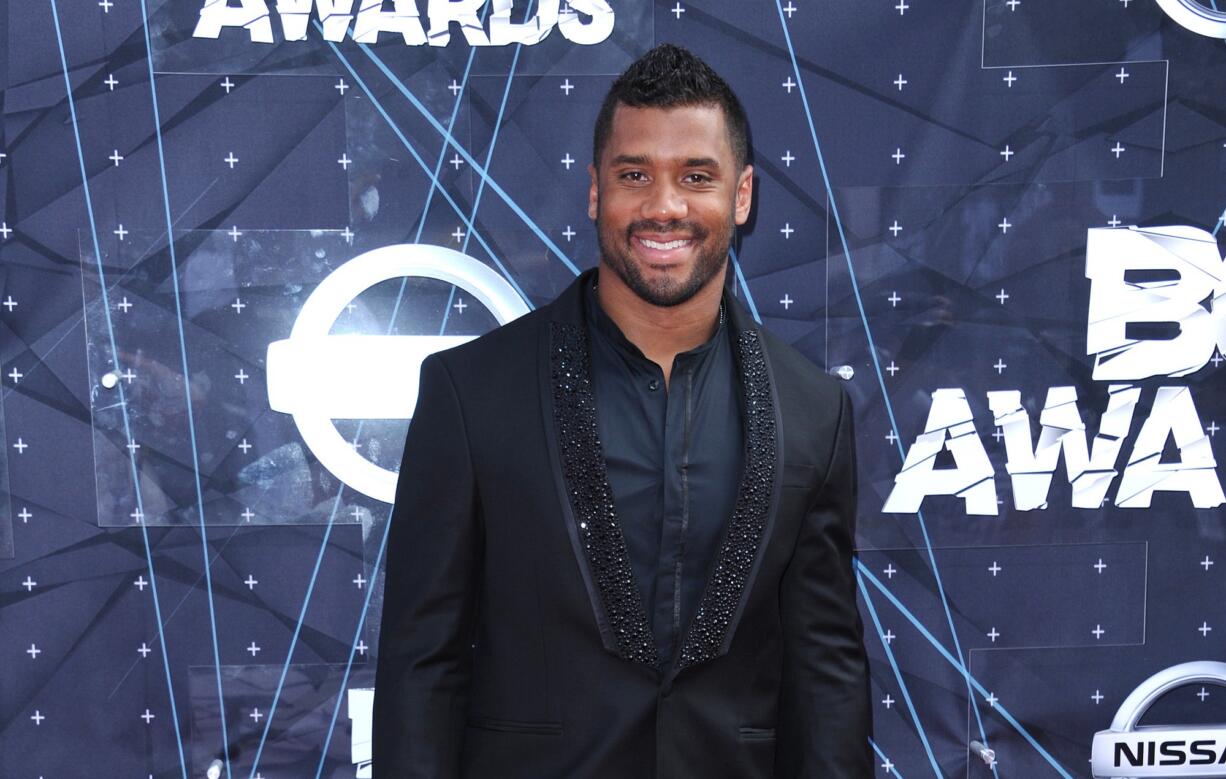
(622, 538)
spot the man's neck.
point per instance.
(661, 333)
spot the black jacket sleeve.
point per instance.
(825, 715)
(433, 559)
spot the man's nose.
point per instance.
(665, 203)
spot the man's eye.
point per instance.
(698, 178)
(633, 175)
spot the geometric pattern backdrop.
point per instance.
(187, 574)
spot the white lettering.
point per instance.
(595, 31)
(503, 32)
(444, 12)
(372, 20)
(335, 15)
(1174, 413)
(251, 15)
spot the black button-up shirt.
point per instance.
(674, 458)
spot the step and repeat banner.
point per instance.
(232, 229)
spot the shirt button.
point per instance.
(653, 385)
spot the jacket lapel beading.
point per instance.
(737, 553)
(591, 497)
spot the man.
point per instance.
(623, 529)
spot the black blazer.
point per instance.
(514, 641)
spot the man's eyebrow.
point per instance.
(702, 162)
(630, 159)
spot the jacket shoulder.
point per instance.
(795, 374)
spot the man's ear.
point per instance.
(744, 195)
(593, 193)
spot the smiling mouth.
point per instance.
(664, 245)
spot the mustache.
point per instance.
(691, 230)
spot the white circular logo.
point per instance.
(318, 377)
(1196, 17)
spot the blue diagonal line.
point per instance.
(187, 391)
(479, 169)
(1218, 225)
(872, 348)
(881, 755)
(736, 267)
(957, 664)
(123, 404)
(417, 157)
(902, 685)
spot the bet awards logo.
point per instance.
(1132, 752)
(586, 22)
(318, 377)
(1157, 309)
(1196, 17)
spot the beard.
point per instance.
(616, 253)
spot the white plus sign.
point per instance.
(786, 301)
(360, 581)
(238, 305)
(788, 84)
(132, 446)
(21, 446)
(347, 234)
(458, 234)
(1204, 629)
(1117, 150)
(356, 514)
(137, 515)
(888, 701)
(1212, 429)
(140, 583)
(891, 437)
(106, 6)
(1097, 697)
(889, 570)
(143, 650)
(1202, 694)
(888, 766)
(1217, 358)
(460, 305)
(255, 714)
(900, 82)
(1009, 79)
(127, 375)
(1013, 4)
(787, 158)
(454, 87)
(1007, 153)
(247, 513)
(120, 231)
(677, 10)
(789, 9)
(344, 161)
(124, 304)
(1002, 296)
(246, 447)
(1099, 566)
(1000, 366)
(361, 647)
(241, 376)
(29, 584)
(894, 299)
(1206, 563)
(898, 156)
(1004, 225)
(1098, 632)
(9, 303)
(568, 160)
(25, 515)
(227, 85)
(111, 81)
(38, 717)
(569, 233)
(992, 699)
(992, 634)
(902, 7)
(115, 157)
(33, 652)
(5, 230)
(995, 568)
(566, 87)
(253, 649)
(1123, 74)
(456, 161)
(251, 582)
(787, 230)
(892, 368)
(1114, 221)
(16, 375)
(341, 86)
(888, 636)
(895, 228)
(230, 160)
(148, 716)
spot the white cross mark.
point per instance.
(9, 303)
(889, 571)
(1013, 4)
(238, 305)
(1000, 366)
(148, 716)
(900, 82)
(1004, 226)
(888, 701)
(357, 514)
(789, 9)
(1204, 629)
(251, 582)
(458, 234)
(360, 581)
(568, 160)
(1117, 150)
(460, 305)
(898, 156)
(5, 230)
(1206, 563)
(787, 230)
(106, 6)
(127, 375)
(1097, 697)
(788, 84)
(888, 766)
(1212, 429)
(569, 233)
(234, 233)
(115, 157)
(1009, 79)
(16, 375)
(454, 87)
(1123, 74)
(1099, 566)
(347, 234)
(1202, 694)
(566, 87)
(894, 299)
(341, 86)
(1007, 153)
(33, 652)
(29, 584)
(241, 376)
(25, 515)
(992, 699)
(124, 304)
(1114, 221)
(786, 301)
(1217, 358)
(895, 228)
(888, 636)
(891, 437)
(902, 7)
(230, 160)
(992, 634)
(253, 649)
(361, 647)
(255, 713)
(140, 583)
(344, 161)
(38, 717)
(456, 161)
(143, 650)
(246, 447)
(892, 368)
(787, 158)
(1098, 632)
(120, 231)
(111, 81)
(1002, 296)
(132, 446)
(677, 10)
(137, 515)
(227, 85)
(21, 446)
(247, 513)
(995, 568)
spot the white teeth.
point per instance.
(663, 246)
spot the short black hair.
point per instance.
(669, 76)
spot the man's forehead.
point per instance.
(676, 132)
